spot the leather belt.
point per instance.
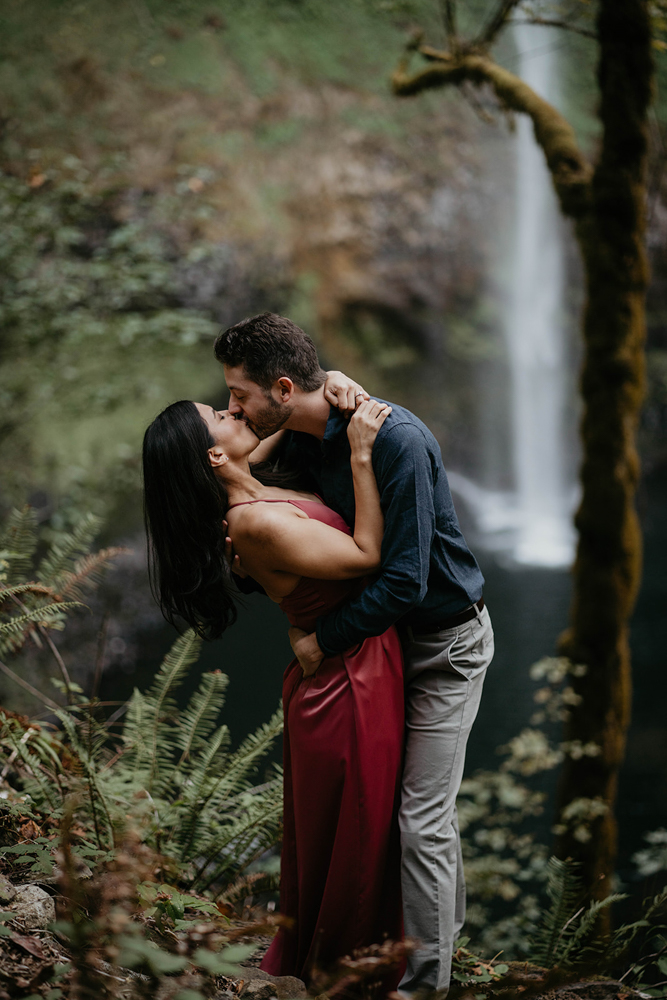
(460, 619)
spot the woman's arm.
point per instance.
(266, 448)
(280, 539)
(343, 392)
(339, 390)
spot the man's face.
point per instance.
(264, 411)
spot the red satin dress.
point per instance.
(343, 748)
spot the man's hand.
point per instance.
(232, 560)
(306, 650)
(343, 392)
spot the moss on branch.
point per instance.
(570, 170)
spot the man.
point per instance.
(430, 587)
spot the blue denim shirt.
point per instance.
(428, 572)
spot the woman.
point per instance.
(344, 725)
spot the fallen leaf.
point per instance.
(29, 944)
(30, 830)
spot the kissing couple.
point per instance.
(338, 508)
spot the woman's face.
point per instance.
(233, 436)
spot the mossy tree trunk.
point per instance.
(608, 565)
(606, 202)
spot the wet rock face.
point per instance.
(33, 906)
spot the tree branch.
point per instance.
(570, 170)
(496, 23)
(449, 14)
(553, 23)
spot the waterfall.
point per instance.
(534, 332)
(534, 521)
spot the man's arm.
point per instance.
(403, 469)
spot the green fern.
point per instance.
(17, 544)
(173, 772)
(204, 810)
(44, 595)
(14, 632)
(581, 946)
(161, 705)
(564, 892)
(56, 567)
(89, 740)
(194, 795)
(39, 763)
(87, 571)
(566, 935)
(197, 722)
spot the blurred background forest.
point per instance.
(168, 168)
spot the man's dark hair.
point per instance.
(269, 346)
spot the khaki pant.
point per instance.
(444, 675)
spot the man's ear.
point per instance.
(217, 457)
(285, 388)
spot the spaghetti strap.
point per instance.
(295, 503)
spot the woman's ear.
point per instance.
(217, 457)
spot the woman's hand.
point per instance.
(305, 648)
(343, 392)
(364, 426)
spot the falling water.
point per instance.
(534, 521)
(535, 334)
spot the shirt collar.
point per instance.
(336, 425)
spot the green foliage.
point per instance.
(470, 969)
(199, 809)
(31, 598)
(192, 798)
(204, 811)
(506, 866)
(89, 325)
(566, 926)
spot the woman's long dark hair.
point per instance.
(185, 504)
(184, 507)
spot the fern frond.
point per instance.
(40, 589)
(58, 562)
(249, 885)
(88, 571)
(49, 616)
(193, 795)
(197, 721)
(564, 891)
(624, 936)
(134, 736)
(182, 655)
(243, 762)
(41, 782)
(247, 808)
(19, 541)
(87, 752)
(240, 843)
(148, 736)
(578, 943)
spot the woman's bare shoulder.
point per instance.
(262, 521)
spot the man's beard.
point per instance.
(270, 419)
